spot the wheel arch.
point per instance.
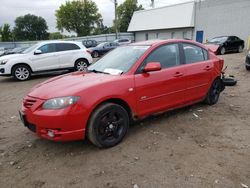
(82, 58)
(117, 101)
(26, 64)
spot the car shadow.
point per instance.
(136, 128)
(35, 77)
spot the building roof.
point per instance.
(167, 17)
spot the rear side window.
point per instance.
(194, 53)
(124, 40)
(167, 56)
(47, 48)
(66, 47)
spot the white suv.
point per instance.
(45, 57)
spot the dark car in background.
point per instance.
(13, 51)
(228, 44)
(248, 61)
(102, 48)
(89, 43)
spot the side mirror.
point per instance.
(152, 66)
(37, 52)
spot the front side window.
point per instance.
(194, 53)
(167, 56)
(47, 48)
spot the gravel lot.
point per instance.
(175, 149)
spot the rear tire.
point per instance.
(81, 65)
(108, 125)
(214, 92)
(95, 54)
(21, 72)
(240, 49)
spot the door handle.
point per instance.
(207, 68)
(178, 74)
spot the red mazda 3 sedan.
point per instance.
(131, 82)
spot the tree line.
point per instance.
(79, 16)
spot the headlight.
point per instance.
(3, 62)
(62, 102)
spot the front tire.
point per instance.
(108, 125)
(21, 72)
(95, 54)
(81, 65)
(222, 50)
(248, 68)
(214, 92)
(240, 49)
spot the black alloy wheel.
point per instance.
(108, 125)
(214, 92)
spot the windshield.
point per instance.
(30, 49)
(219, 39)
(120, 60)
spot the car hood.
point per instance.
(12, 56)
(218, 43)
(69, 84)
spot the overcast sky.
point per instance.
(10, 9)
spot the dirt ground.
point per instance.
(176, 149)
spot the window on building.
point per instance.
(157, 35)
(146, 36)
(184, 34)
(194, 53)
(167, 56)
(172, 35)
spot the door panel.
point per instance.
(198, 72)
(198, 76)
(160, 90)
(67, 52)
(48, 60)
(164, 89)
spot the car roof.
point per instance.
(59, 41)
(156, 42)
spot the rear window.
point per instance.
(194, 53)
(66, 47)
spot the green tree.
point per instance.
(5, 32)
(55, 35)
(30, 27)
(101, 29)
(125, 12)
(80, 17)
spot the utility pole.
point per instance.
(116, 24)
(153, 3)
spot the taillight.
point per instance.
(88, 51)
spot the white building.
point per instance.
(197, 20)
